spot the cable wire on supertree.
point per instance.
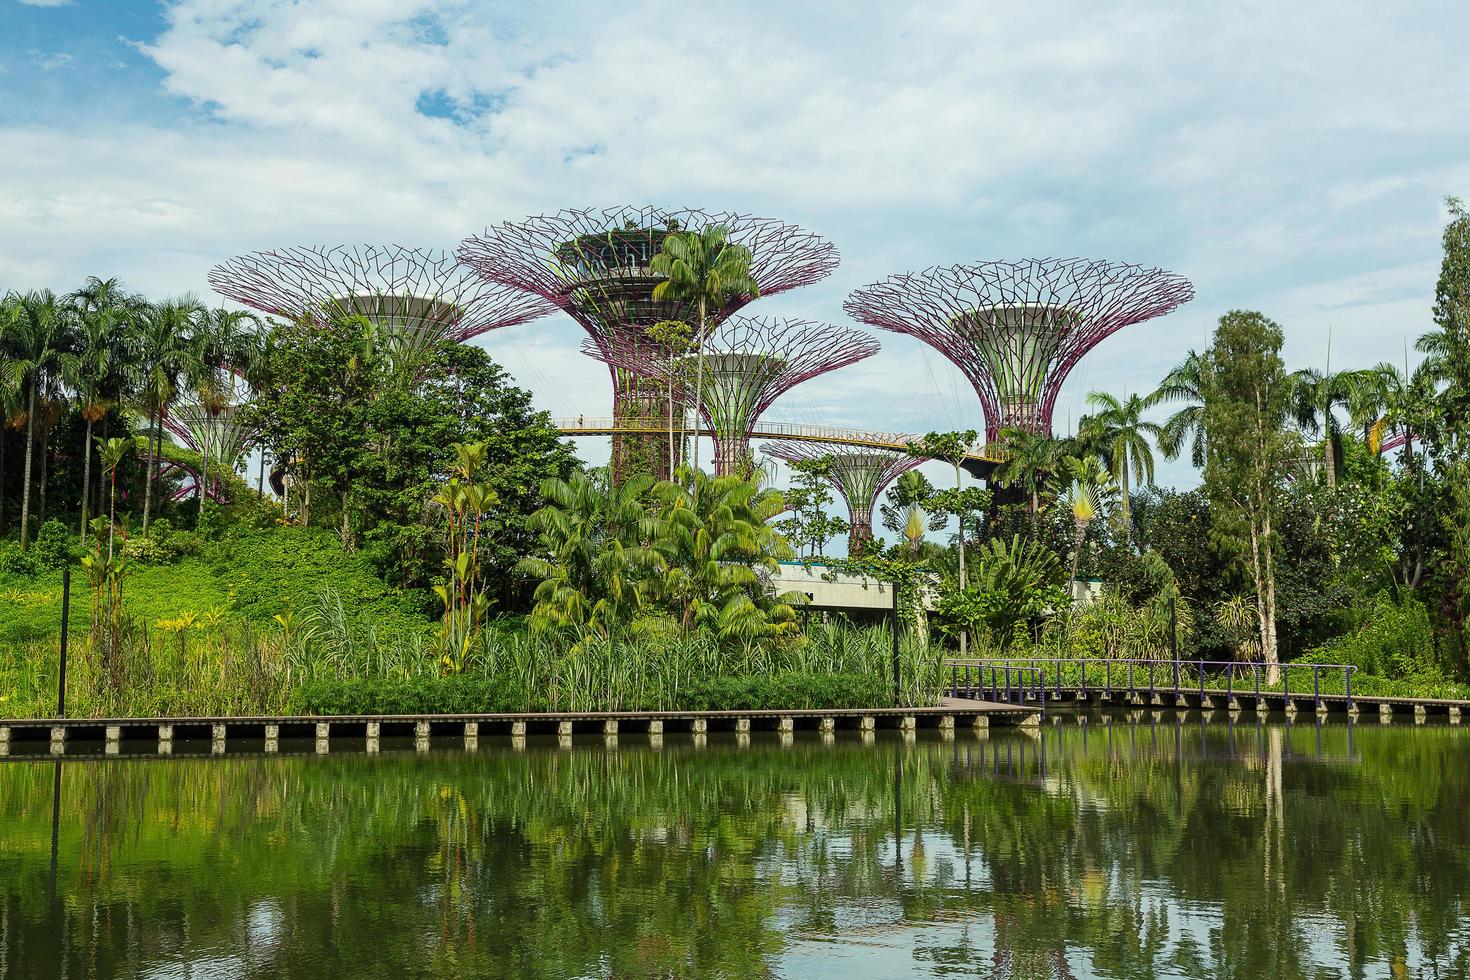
(1016, 329)
(416, 296)
(596, 265)
(859, 474)
(749, 362)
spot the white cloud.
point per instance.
(50, 60)
(1243, 145)
(46, 3)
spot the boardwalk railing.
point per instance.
(1052, 678)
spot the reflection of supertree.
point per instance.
(749, 362)
(1016, 329)
(596, 264)
(860, 474)
(417, 297)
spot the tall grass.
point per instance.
(220, 666)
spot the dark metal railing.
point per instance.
(1136, 676)
(1004, 682)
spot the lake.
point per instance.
(1164, 847)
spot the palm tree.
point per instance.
(168, 357)
(1090, 487)
(908, 511)
(1031, 460)
(1407, 401)
(1120, 430)
(706, 270)
(112, 451)
(10, 386)
(1183, 384)
(593, 557)
(1318, 396)
(43, 334)
(104, 318)
(715, 541)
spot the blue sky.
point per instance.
(1291, 158)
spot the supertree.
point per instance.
(415, 296)
(1016, 329)
(219, 434)
(749, 362)
(596, 264)
(858, 473)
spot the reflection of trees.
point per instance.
(1126, 855)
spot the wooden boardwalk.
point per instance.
(29, 737)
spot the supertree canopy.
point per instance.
(596, 264)
(749, 362)
(1016, 329)
(417, 296)
(859, 473)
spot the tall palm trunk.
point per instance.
(964, 634)
(1330, 459)
(154, 446)
(3, 525)
(86, 477)
(25, 494)
(1123, 500)
(699, 380)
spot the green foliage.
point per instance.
(1012, 584)
(454, 694)
(162, 545)
(55, 545)
(1395, 640)
(809, 526)
(786, 690)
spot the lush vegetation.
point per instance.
(255, 511)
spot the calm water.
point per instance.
(1173, 849)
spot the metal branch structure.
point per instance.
(596, 265)
(749, 362)
(418, 297)
(219, 435)
(1016, 329)
(860, 475)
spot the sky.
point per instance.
(1287, 157)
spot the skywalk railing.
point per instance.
(582, 425)
(1056, 677)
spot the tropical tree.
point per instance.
(96, 367)
(10, 381)
(810, 525)
(594, 559)
(1121, 433)
(1182, 384)
(168, 359)
(1090, 488)
(1248, 397)
(111, 452)
(1030, 461)
(716, 545)
(228, 345)
(673, 336)
(42, 333)
(1318, 396)
(910, 510)
(707, 271)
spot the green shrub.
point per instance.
(56, 545)
(461, 694)
(162, 545)
(1395, 641)
(14, 561)
(795, 691)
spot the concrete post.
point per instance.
(1385, 713)
(563, 729)
(517, 729)
(699, 726)
(1454, 714)
(981, 721)
(421, 730)
(472, 729)
(165, 733)
(323, 730)
(827, 725)
(656, 726)
(1420, 713)
(114, 733)
(785, 724)
(610, 726)
(867, 723)
(374, 729)
(946, 723)
(742, 725)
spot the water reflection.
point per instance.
(1158, 847)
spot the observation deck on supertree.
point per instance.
(1016, 329)
(749, 362)
(421, 296)
(596, 265)
(858, 474)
